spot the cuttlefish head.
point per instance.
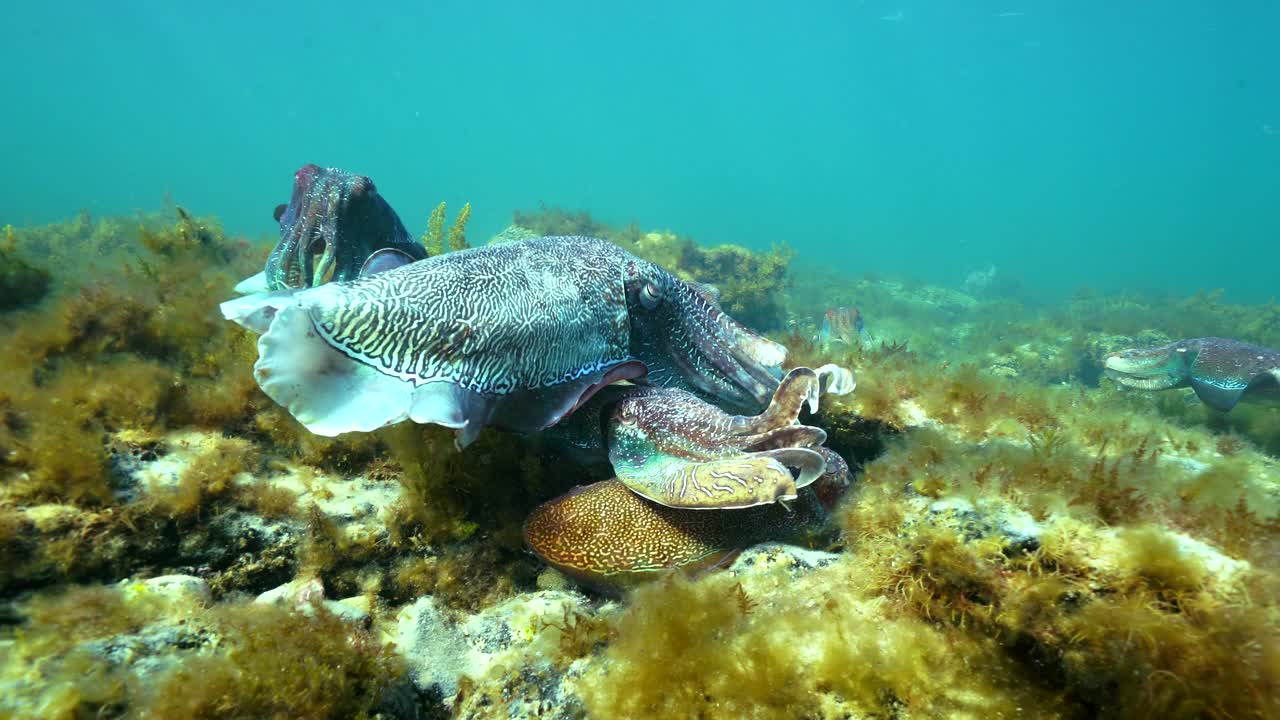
(333, 223)
(1222, 371)
(1158, 368)
(687, 341)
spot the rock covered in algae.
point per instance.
(21, 283)
(1018, 551)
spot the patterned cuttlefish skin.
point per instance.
(610, 539)
(1222, 371)
(523, 335)
(334, 221)
(676, 449)
(514, 335)
(679, 460)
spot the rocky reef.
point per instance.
(1023, 538)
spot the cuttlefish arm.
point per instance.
(1221, 371)
(677, 450)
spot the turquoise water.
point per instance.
(1115, 145)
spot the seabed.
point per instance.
(1023, 538)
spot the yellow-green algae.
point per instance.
(1147, 588)
(435, 240)
(236, 660)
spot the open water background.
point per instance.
(1118, 145)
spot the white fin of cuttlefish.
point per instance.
(253, 285)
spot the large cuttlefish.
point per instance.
(514, 335)
(357, 333)
(1223, 372)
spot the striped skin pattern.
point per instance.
(514, 335)
(333, 222)
(494, 320)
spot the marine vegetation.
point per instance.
(20, 283)
(434, 239)
(1021, 536)
(234, 659)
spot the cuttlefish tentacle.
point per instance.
(678, 450)
(1221, 371)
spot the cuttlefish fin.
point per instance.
(1219, 397)
(253, 284)
(331, 392)
(724, 484)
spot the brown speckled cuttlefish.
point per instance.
(696, 485)
(1221, 371)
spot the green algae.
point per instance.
(435, 239)
(233, 659)
(21, 283)
(1147, 588)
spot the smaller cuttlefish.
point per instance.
(1222, 371)
(336, 227)
(610, 539)
(695, 484)
(842, 326)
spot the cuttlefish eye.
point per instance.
(316, 248)
(650, 295)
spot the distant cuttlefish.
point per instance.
(1222, 371)
(842, 327)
